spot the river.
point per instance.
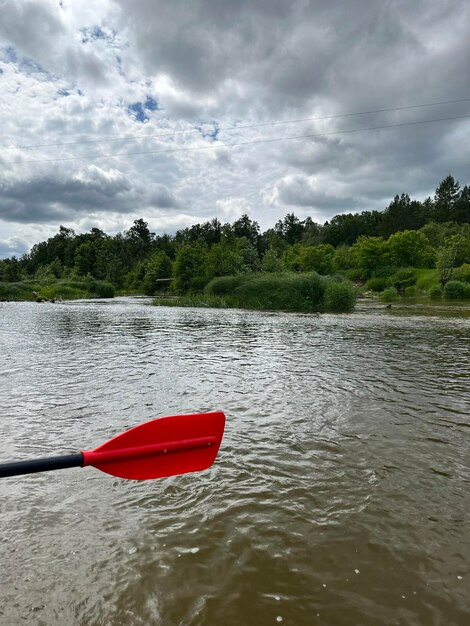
(340, 496)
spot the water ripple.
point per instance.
(340, 495)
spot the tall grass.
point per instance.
(306, 291)
(339, 297)
(59, 289)
(389, 295)
(426, 279)
(226, 285)
(17, 291)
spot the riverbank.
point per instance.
(305, 292)
(40, 291)
(286, 291)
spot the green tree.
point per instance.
(437, 233)
(312, 233)
(346, 228)
(139, 239)
(207, 233)
(291, 229)
(271, 239)
(369, 254)
(189, 268)
(249, 253)
(166, 244)
(245, 227)
(56, 268)
(10, 270)
(454, 252)
(85, 257)
(402, 214)
(223, 260)
(61, 246)
(460, 211)
(115, 271)
(156, 268)
(290, 260)
(446, 196)
(342, 258)
(318, 258)
(271, 262)
(410, 248)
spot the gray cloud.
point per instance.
(162, 197)
(303, 191)
(31, 25)
(234, 62)
(13, 247)
(298, 53)
(58, 198)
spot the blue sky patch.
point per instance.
(209, 133)
(26, 65)
(151, 104)
(139, 109)
(94, 32)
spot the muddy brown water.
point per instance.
(341, 494)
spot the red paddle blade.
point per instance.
(161, 447)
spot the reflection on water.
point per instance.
(341, 494)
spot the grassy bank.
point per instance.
(34, 290)
(415, 282)
(282, 291)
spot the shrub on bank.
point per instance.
(457, 290)
(100, 289)
(403, 278)
(289, 292)
(60, 289)
(284, 291)
(462, 273)
(353, 273)
(62, 292)
(339, 297)
(226, 285)
(17, 291)
(410, 292)
(76, 290)
(435, 292)
(376, 284)
(91, 287)
(426, 279)
(312, 288)
(389, 295)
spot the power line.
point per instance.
(239, 143)
(231, 128)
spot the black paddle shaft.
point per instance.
(40, 465)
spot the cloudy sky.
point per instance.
(181, 111)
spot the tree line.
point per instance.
(429, 234)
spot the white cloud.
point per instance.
(81, 72)
(232, 208)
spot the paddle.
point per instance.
(161, 447)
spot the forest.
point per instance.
(409, 247)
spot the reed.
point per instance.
(55, 290)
